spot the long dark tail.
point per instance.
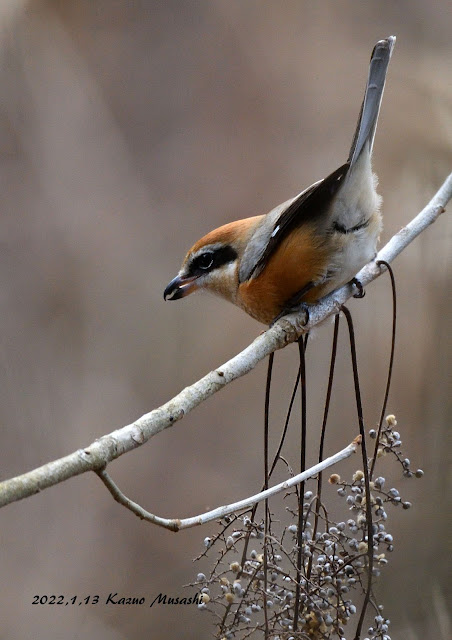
(367, 123)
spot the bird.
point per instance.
(310, 245)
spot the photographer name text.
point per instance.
(119, 600)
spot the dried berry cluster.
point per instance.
(252, 586)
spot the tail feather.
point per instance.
(367, 123)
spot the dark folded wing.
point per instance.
(307, 207)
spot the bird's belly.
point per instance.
(301, 259)
(304, 261)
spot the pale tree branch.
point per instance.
(97, 455)
(176, 524)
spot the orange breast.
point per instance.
(300, 259)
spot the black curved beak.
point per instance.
(179, 287)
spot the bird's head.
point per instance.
(213, 262)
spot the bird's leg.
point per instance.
(295, 304)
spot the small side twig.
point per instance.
(177, 524)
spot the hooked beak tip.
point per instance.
(179, 287)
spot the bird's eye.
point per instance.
(205, 260)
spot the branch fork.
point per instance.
(288, 329)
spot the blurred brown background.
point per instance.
(127, 130)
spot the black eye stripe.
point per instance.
(211, 259)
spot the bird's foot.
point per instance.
(357, 283)
(300, 307)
